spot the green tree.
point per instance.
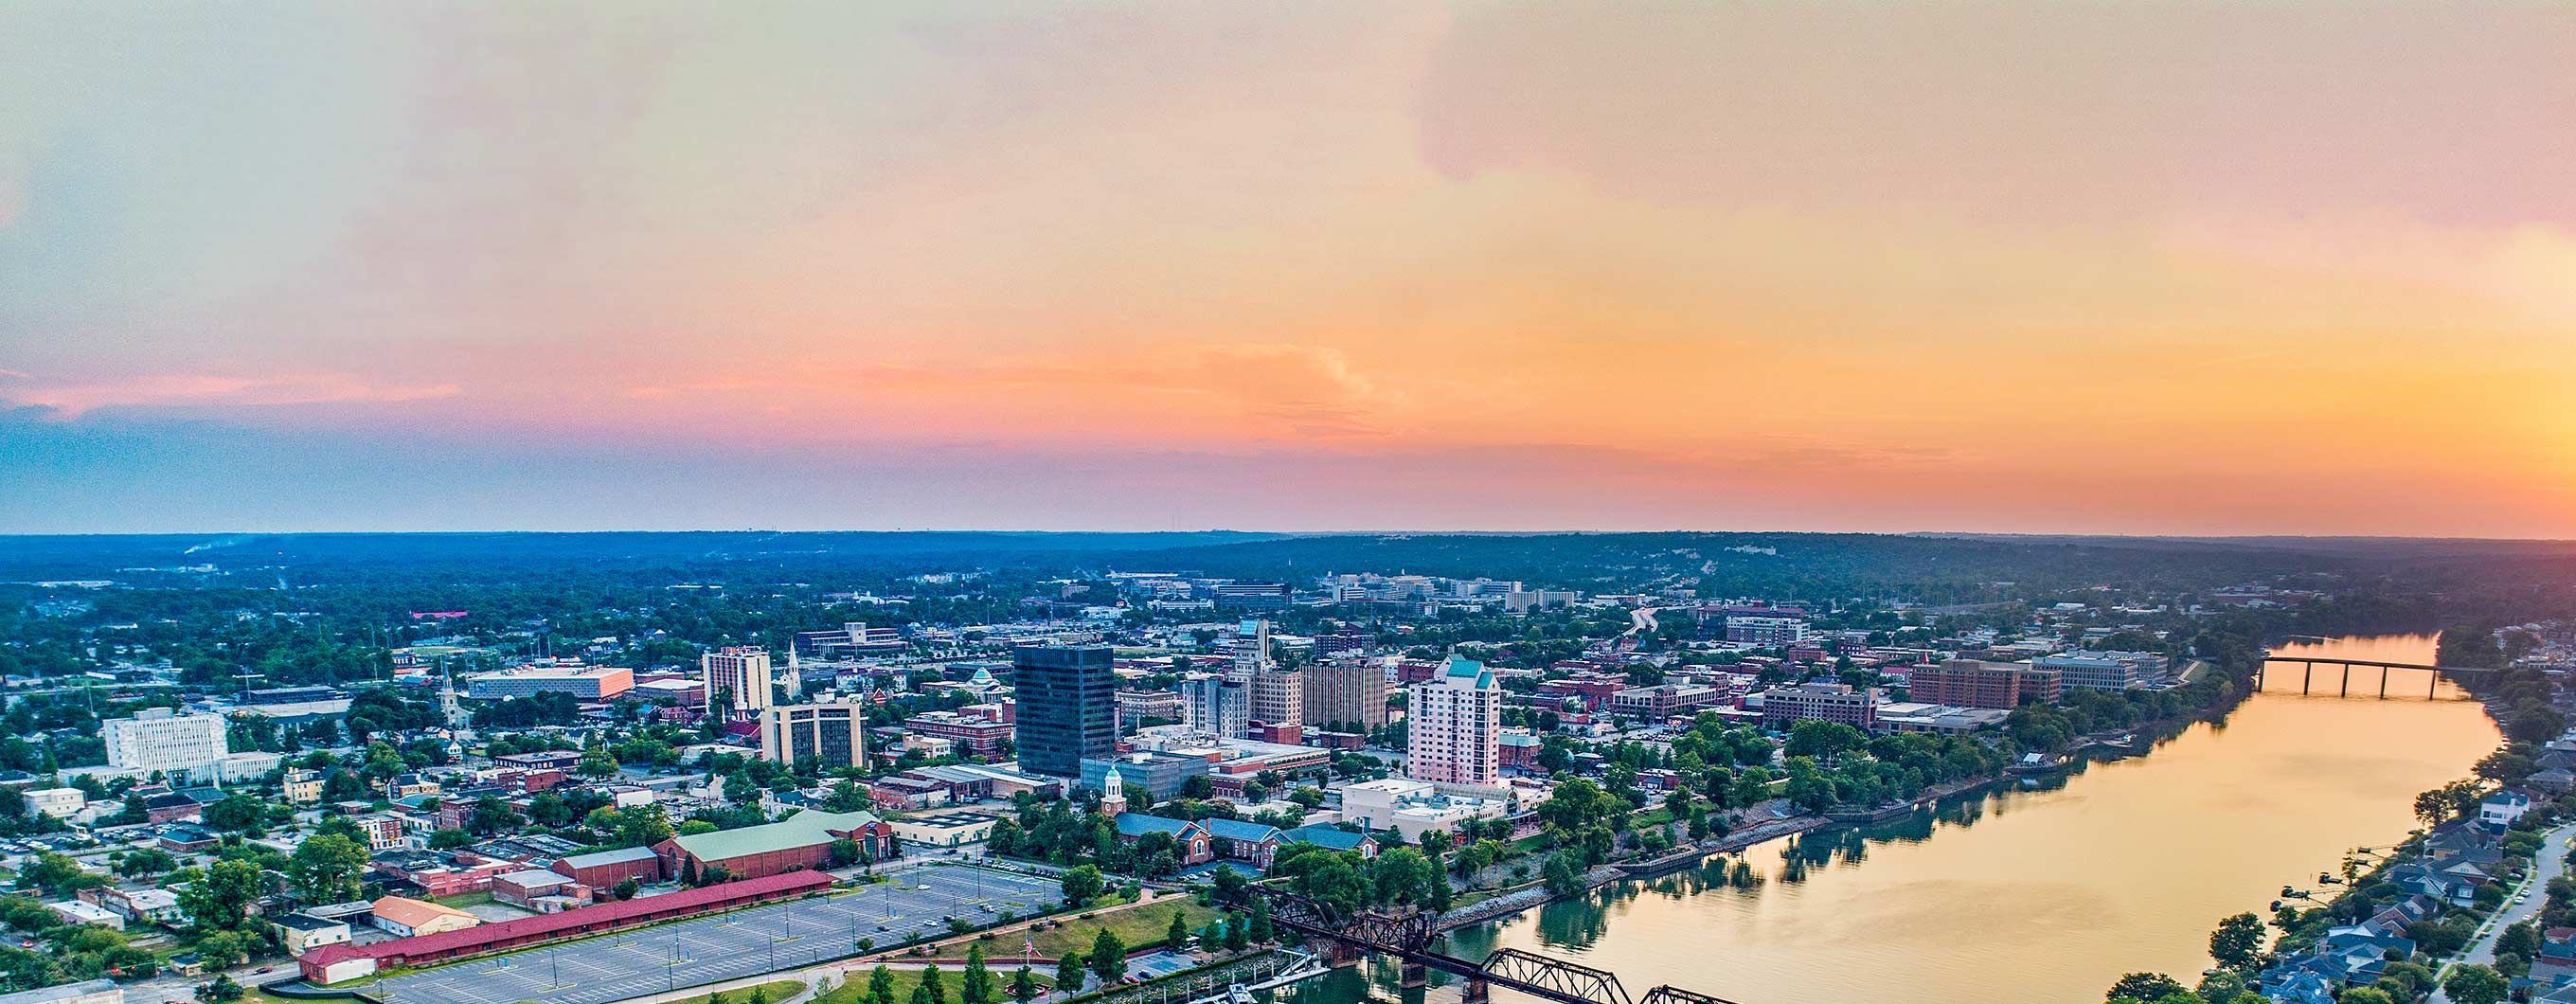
(2475, 984)
(931, 986)
(2520, 939)
(2238, 941)
(2365, 995)
(2145, 987)
(1108, 956)
(1179, 932)
(1068, 972)
(881, 985)
(220, 898)
(1024, 985)
(236, 813)
(1562, 874)
(976, 987)
(1080, 884)
(326, 869)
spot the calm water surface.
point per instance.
(2040, 894)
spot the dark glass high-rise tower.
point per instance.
(1066, 712)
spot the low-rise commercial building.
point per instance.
(587, 683)
(803, 840)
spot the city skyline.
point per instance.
(2174, 269)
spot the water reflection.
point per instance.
(2050, 887)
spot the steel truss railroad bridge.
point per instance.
(1407, 938)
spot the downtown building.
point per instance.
(1832, 702)
(1454, 726)
(163, 740)
(1348, 693)
(830, 735)
(585, 683)
(740, 674)
(1217, 705)
(2086, 670)
(1970, 683)
(1067, 711)
(1768, 632)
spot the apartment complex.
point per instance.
(1348, 692)
(739, 673)
(1066, 711)
(1969, 683)
(1455, 725)
(832, 735)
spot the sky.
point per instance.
(2162, 268)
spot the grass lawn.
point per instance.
(779, 990)
(462, 900)
(951, 978)
(1135, 926)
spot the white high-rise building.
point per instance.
(1454, 726)
(1218, 705)
(1251, 649)
(164, 740)
(740, 671)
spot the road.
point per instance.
(1642, 621)
(2550, 863)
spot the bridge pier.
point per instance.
(1477, 992)
(2306, 676)
(1412, 975)
(2345, 688)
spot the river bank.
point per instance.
(1536, 895)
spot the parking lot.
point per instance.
(750, 942)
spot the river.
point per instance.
(2036, 892)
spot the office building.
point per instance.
(1455, 725)
(831, 735)
(1969, 683)
(1251, 649)
(1152, 774)
(1140, 708)
(1279, 697)
(739, 677)
(1352, 694)
(1768, 632)
(1067, 711)
(586, 683)
(164, 740)
(1524, 601)
(2087, 670)
(1832, 702)
(1251, 594)
(850, 640)
(1217, 705)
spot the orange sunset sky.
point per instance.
(2295, 267)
